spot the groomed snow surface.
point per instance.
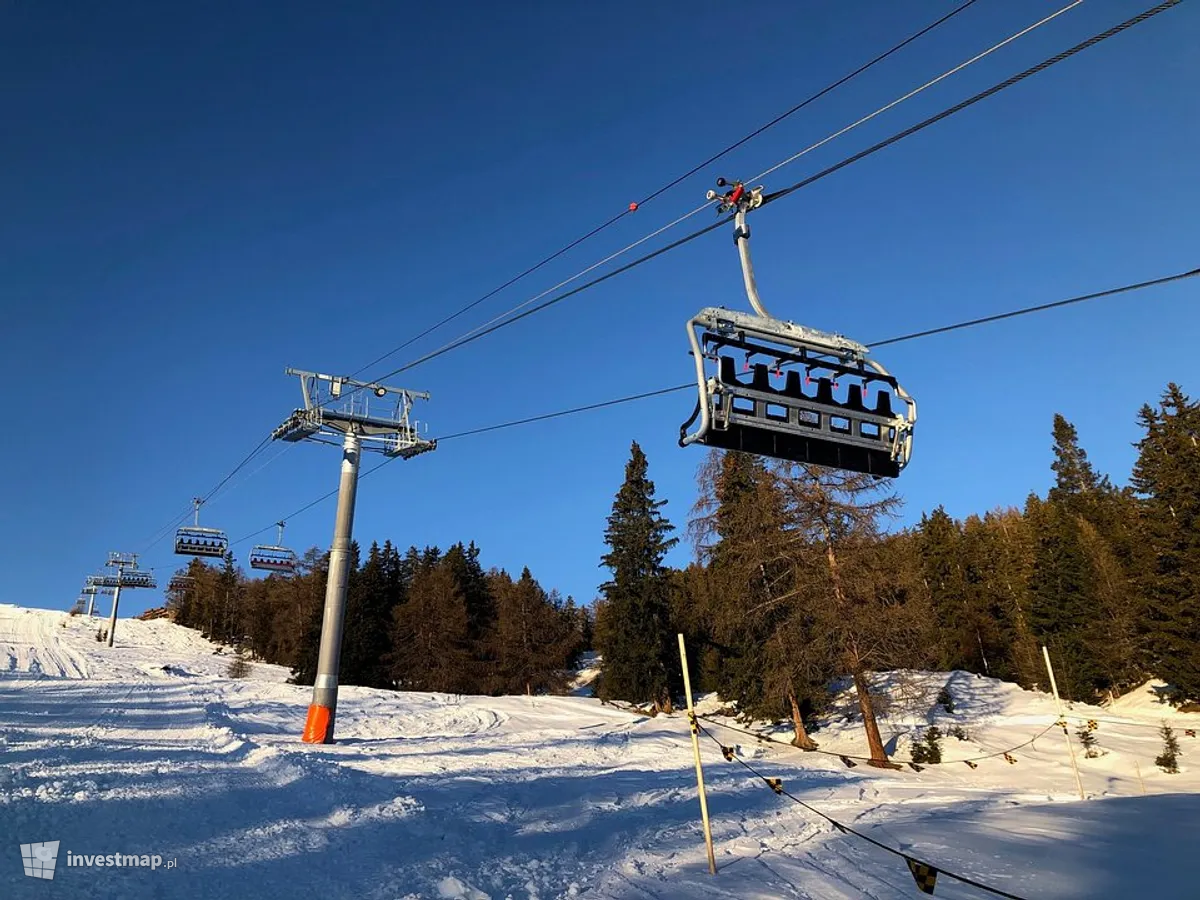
(148, 749)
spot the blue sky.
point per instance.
(195, 197)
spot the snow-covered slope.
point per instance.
(441, 796)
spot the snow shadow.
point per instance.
(1118, 847)
(246, 820)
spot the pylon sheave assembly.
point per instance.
(196, 541)
(803, 395)
(274, 557)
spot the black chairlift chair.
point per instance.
(137, 579)
(196, 541)
(838, 413)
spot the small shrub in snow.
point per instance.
(1168, 760)
(945, 700)
(239, 667)
(1087, 737)
(929, 749)
(959, 733)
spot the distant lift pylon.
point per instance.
(822, 413)
(274, 557)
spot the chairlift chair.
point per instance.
(805, 396)
(196, 541)
(274, 557)
(180, 583)
(137, 578)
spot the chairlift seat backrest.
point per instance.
(825, 392)
(748, 414)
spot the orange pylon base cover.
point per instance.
(316, 726)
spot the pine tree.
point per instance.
(365, 639)
(757, 643)
(1167, 476)
(850, 609)
(1087, 737)
(929, 748)
(1012, 546)
(1061, 605)
(1111, 635)
(634, 634)
(1076, 481)
(1084, 603)
(998, 619)
(304, 612)
(431, 646)
(225, 624)
(239, 666)
(1168, 760)
(481, 610)
(583, 620)
(536, 641)
(307, 653)
(944, 576)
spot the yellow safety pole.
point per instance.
(687, 687)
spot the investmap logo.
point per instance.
(39, 859)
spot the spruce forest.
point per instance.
(799, 581)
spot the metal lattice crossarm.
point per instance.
(138, 579)
(336, 405)
(100, 584)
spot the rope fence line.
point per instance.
(768, 739)
(1184, 725)
(924, 873)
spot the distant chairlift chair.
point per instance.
(824, 417)
(274, 557)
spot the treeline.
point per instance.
(797, 583)
(425, 620)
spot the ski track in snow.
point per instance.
(480, 798)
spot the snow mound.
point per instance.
(451, 888)
(1149, 701)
